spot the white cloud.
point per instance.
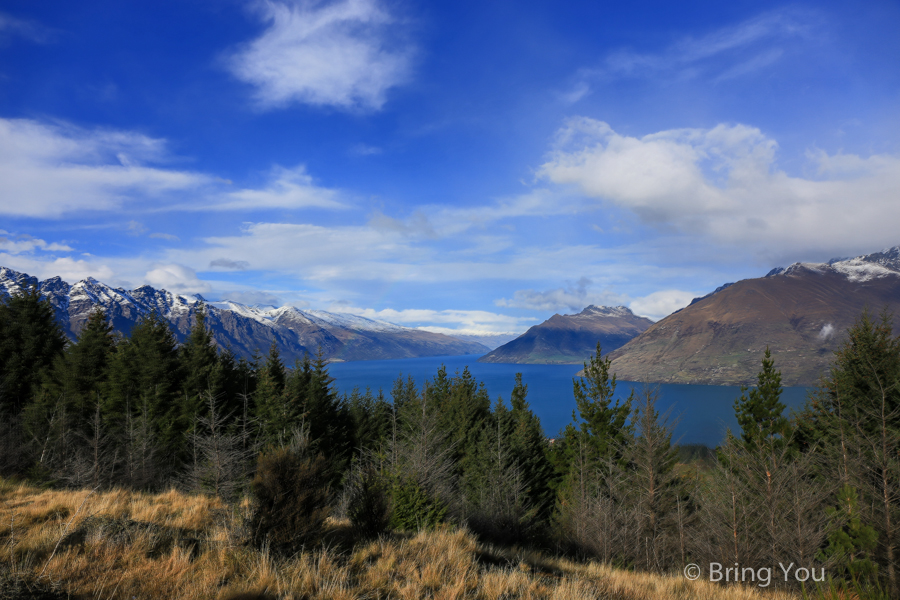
(176, 278)
(725, 183)
(661, 304)
(287, 188)
(463, 322)
(756, 38)
(574, 297)
(53, 169)
(827, 332)
(48, 170)
(21, 244)
(68, 269)
(342, 53)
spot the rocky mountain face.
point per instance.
(571, 339)
(800, 312)
(245, 329)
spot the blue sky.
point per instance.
(459, 166)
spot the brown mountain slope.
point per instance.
(801, 313)
(570, 339)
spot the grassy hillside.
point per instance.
(118, 544)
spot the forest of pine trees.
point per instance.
(819, 488)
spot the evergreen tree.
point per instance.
(760, 412)
(589, 461)
(78, 378)
(30, 341)
(145, 376)
(530, 447)
(600, 421)
(199, 359)
(330, 424)
(268, 397)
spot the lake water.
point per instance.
(705, 411)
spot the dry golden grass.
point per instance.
(129, 545)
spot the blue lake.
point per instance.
(704, 411)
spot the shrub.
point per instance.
(290, 496)
(368, 506)
(414, 508)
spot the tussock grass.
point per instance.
(121, 544)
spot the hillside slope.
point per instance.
(570, 339)
(800, 313)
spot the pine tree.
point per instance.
(530, 447)
(589, 460)
(30, 341)
(601, 421)
(145, 375)
(268, 397)
(760, 413)
(199, 359)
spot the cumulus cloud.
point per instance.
(573, 297)
(67, 268)
(20, 244)
(661, 304)
(725, 183)
(287, 188)
(48, 170)
(176, 278)
(342, 53)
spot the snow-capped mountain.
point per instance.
(571, 339)
(800, 312)
(245, 329)
(860, 269)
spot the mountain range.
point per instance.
(800, 312)
(570, 339)
(247, 330)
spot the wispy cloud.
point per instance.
(463, 322)
(51, 169)
(725, 183)
(342, 53)
(574, 297)
(724, 54)
(32, 31)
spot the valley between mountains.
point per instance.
(800, 313)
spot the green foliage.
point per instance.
(604, 422)
(851, 543)
(270, 408)
(290, 496)
(369, 505)
(199, 361)
(145, 374)
(760, 413)
(412, 508)
(530, 447)
(30, 341)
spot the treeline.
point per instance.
(817, 490)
